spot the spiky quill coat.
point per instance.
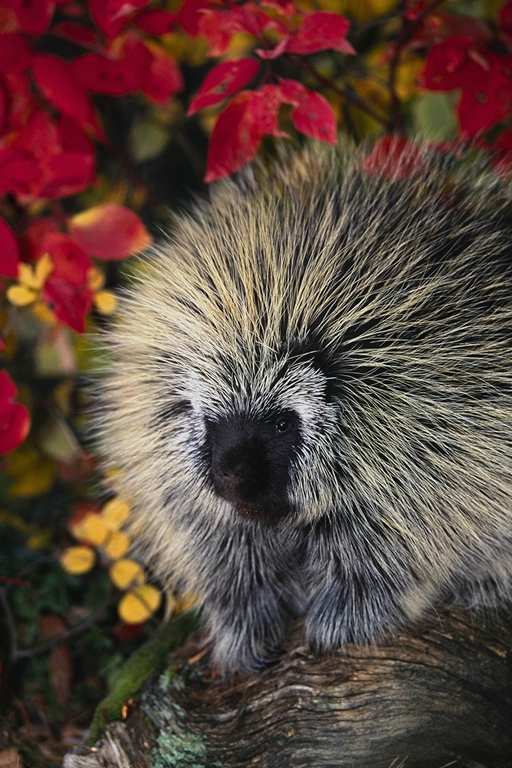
(375, 307)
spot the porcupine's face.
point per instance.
(265, 448)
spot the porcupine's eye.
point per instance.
(282, 424)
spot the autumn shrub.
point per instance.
(110, 112)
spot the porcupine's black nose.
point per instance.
(238, 473)
(249, 461)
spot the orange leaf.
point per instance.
(116, 545)
(109, 232)
(139, 604)
(115, 512)
(126, 573)
(92, 529)
(77, 560)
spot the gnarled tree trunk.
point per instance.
(440, 694)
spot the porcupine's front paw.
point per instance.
(341, 614)
(244, 647)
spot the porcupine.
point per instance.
(309, 398)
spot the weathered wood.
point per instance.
(435, 696)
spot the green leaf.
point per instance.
(434, 116)
(147, 140)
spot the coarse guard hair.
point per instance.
(309, 398)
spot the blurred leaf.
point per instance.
(147, 139)
(125, 573)
(115, 512)
(105, 302)
(77, 560)
(109, 232)
(434, 116)
(116, 545)
(139, 604)
(58, 441)
(32, 474)
(92, 529)
(21, 296)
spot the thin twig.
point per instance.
(77, 629)
(11, 626)
(345, 93)
(16, 653)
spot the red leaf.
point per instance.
(321, 31)
(234, 140)
(275, 52)
(446, 67)
(70, 262)
(240, 128)
(506, 18)
(63, 157)
(17, 171)
(34, 16)
(156, 22)
(219, 27)
(190, 15)
(56, 80)
(67, 174)
(15, 53)
(111, 16)
(109, 232)
(14, 418)
(224, 80)
(20, 99)
(9, 251)
(312, 115)
(100, 74)
(39, 136)
(71, 303)
(264, 106)
(32, 241)
(162, 78)
(77, 33)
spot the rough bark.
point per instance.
(437, 695)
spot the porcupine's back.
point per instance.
(398, 284)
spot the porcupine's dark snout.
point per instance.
(249, 467)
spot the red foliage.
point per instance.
(14, 417)
(225, 79)
(466, 60)
(9, 251)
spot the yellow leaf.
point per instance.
(117, 544)
(21, 296)
(43, 313)
(95, 279)
(93, 529)
(105, 302)
(126, 573)
(44, 268)
(34, 277)
(32, 474)
(77, 559)
(115, 513)
(139, 604)
(27, 277)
